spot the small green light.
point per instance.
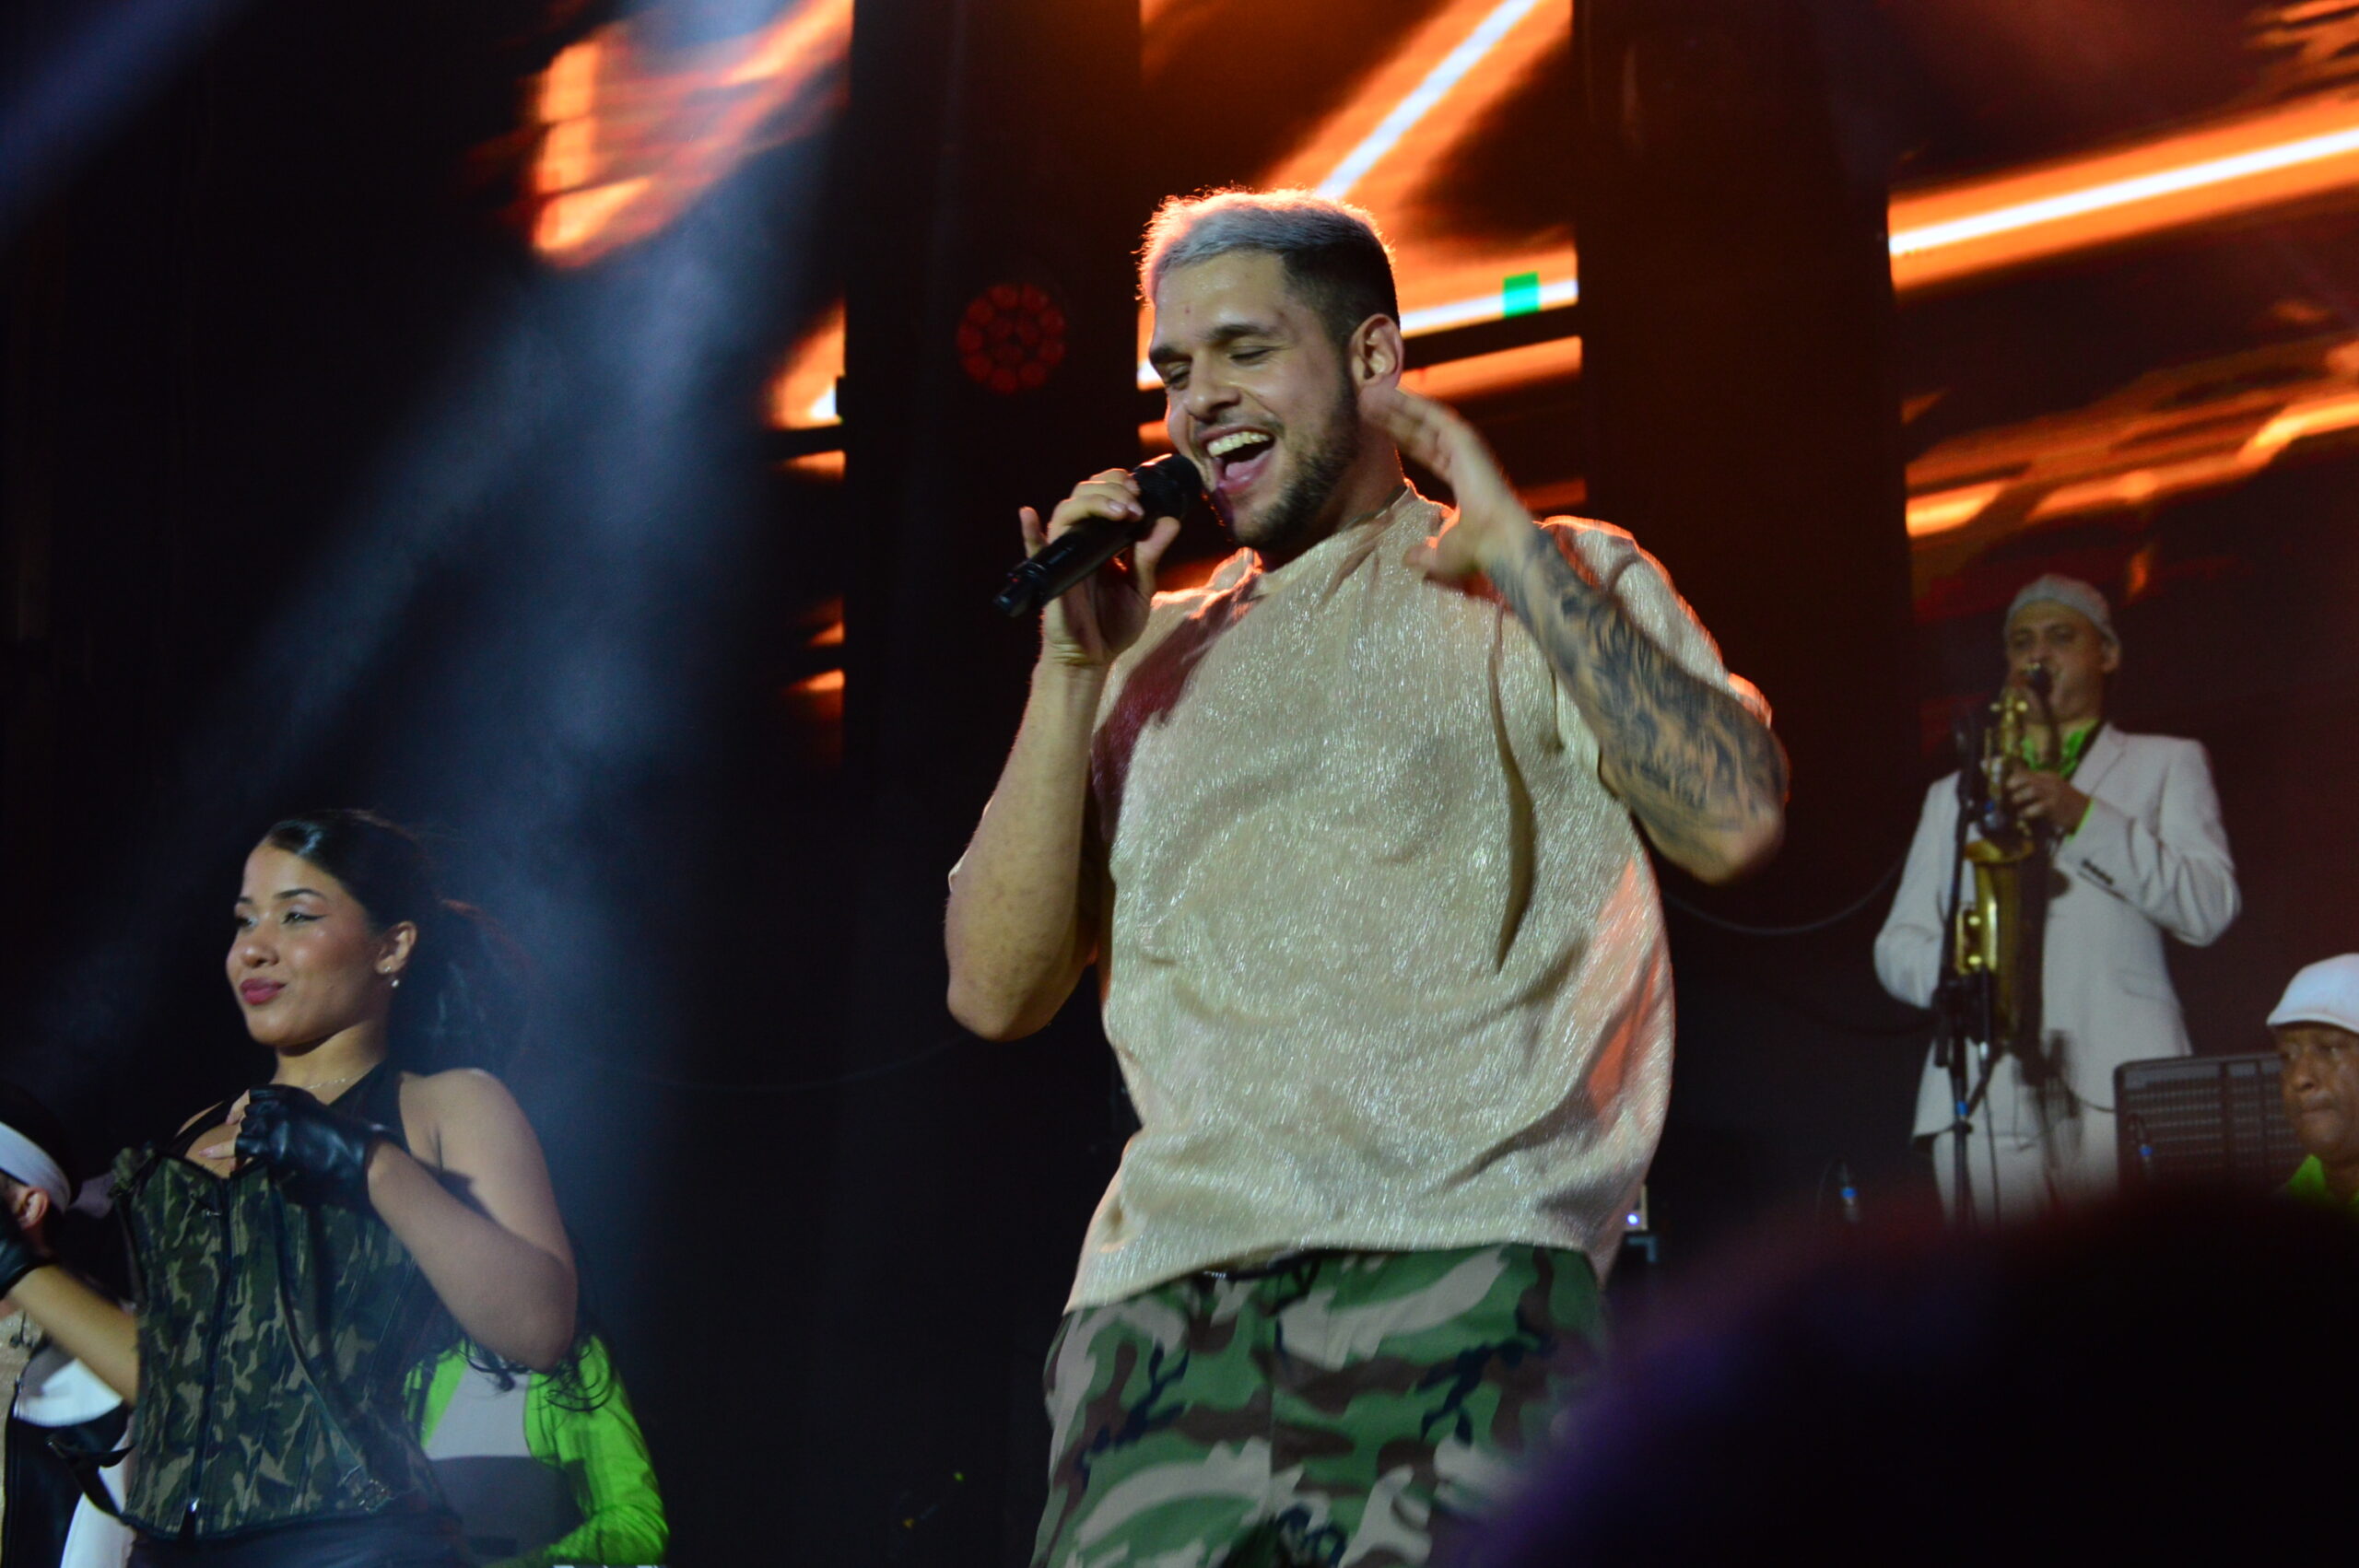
(1519, 295)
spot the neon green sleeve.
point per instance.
(604, 1456)
(447, 1374)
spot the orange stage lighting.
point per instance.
(2191, 427)
(2285, 153)
(2224, 169)
(1487, 375)
(1383, 148)
(827, 467)
(628, 142)
(1379, 150)
(803, 396)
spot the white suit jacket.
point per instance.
(2148, 858)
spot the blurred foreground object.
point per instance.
(2165, 1382)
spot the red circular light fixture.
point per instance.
(1011, 337)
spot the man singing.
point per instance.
(1349, 835)
(2138, 850)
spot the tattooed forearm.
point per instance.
(1704, 776)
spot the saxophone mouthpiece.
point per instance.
(2039, 681)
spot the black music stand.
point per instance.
(2204, 1121)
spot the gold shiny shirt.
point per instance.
(1383, 961)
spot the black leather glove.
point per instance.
(18, 1256)
(306, 1144)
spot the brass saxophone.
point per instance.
(1995, 936)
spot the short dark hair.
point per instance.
(1332, 251)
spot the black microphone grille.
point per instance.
(1168, 486)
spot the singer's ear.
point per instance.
(1377, 354)
(2108, 656)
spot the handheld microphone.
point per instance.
(1168, 486)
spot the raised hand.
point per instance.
(1701, 772)
(1090, 626)
(1492, 524)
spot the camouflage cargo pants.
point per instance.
(1347, 1410)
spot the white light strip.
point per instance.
(2125, 192)
(1414, 324)
(1420, 103)
(1483, 307)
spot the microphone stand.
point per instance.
(1956, 996)
(1966, 1006)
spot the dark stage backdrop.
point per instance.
(319, 488)
(316, 485)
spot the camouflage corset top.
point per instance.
(276, 1331)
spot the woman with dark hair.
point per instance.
(297, 1249)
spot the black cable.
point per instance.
(802, 1086)
(1807, 927)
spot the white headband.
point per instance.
(28, 1162)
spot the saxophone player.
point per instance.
(2134, 850)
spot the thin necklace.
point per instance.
(313, 1089)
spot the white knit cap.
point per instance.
(2324, 993)
(2074, 594)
